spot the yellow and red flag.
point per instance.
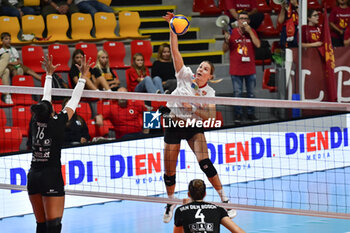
(329, 60)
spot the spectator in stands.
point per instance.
(92, 83)
(15, 66)
(5, 73)
(163, 68)
(288, 16)
(311, 33)
(126, 117)
(339, 19)
(233, 7)
(102, 69)
(139, 79)
(241, 44)
(76, 131)
(16, 8)
(92, 6)
(58, 7)
(347, 36)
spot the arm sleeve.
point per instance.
(78, 90)
(47, 88)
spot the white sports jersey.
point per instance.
(186, 86)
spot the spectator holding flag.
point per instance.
(289, 17)
(329, 60)
(312, 32)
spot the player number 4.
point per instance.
(200, 215)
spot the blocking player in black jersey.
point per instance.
(46, 134)
(199, 216)
(189, 84)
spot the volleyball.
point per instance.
(179, 24)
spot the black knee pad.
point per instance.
(40, 227)
(169, 180)
(208, 168)
(54, 225)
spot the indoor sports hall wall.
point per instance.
(240, 155)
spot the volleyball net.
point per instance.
(294, 159)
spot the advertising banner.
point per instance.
(315, 84)
(239, 155)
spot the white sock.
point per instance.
(172, 196)
(222, 195)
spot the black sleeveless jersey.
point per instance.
(199, 217)
(46, 140)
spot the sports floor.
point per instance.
(135, 217)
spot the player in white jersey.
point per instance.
(189, 84)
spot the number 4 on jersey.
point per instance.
(200, 215)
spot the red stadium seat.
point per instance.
(144, 47)
(84, 110)
(275, 7)
(116, 54)
(220, 117)
(21, 116)
(266, 28)
(2, 118)
(266, 78)
(207, 7)
(60, 55)
(156, 104)
(22, 99)
(263, 62)
(32, 56)
(89, 49)
(104, 129)
(103, 108)
(10, 139)
(57, 107)
(91, 124)
(3, 104)
(263, 7)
